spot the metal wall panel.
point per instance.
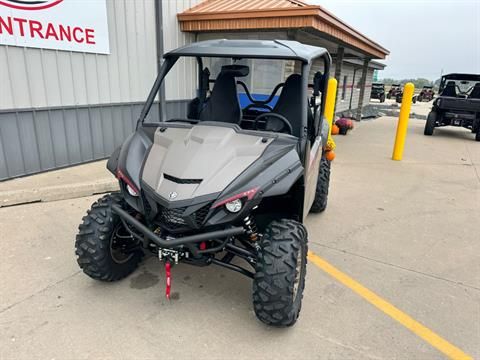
(38, 140)
(59, 108)
(37, 78)
(182, 79)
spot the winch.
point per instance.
(170, 257)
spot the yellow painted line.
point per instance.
(420, 330)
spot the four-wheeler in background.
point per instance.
(226, 185)
(378, 92)
(426, 94)
(458, 104)
(394, 90)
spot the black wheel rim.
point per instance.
(121, 243)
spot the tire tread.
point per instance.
(92, 244)
(323, 183)
(275, 273)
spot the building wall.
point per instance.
(36, 78)
(349, 91)
(183, 77)
(349, 81)
(59, 108)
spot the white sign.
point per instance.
(74, 25)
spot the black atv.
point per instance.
(394, 90)
(426, 94)
(234, 179)
(378, 92)
(457, 105)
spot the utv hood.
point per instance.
(188, 162)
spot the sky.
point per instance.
(424, 36)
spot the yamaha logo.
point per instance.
(173, 195)
(30, 4)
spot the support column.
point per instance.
(338, 68)
(338, 63)
(363, 81)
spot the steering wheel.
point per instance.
(284, 122)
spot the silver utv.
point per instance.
(232, 177)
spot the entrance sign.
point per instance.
(73, 25)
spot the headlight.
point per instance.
(131, 190)
(235, 203)
(234, 206)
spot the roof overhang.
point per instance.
(300, 17)
(372, 64)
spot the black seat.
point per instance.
(475, 94)
(223, 104)
(450, 89)
(290, 103)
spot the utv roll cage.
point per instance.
(458, 77)
(250, 49)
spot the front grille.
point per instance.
(174, 219)
(201, 214)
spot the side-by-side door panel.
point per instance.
(312, 167)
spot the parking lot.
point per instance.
(407, 231)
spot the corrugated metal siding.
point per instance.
(45, 78)
(59, 108)
(183, 77)
(38, 140)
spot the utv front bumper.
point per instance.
(149, 235)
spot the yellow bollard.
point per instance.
(402, 126)
(329, 110)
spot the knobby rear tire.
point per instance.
(430, 123)
(323, 184)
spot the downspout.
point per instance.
(160, 49)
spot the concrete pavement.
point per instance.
(406, 230)
(68, 183)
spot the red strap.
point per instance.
(168, 275)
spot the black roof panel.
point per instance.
(271, 49)
(458, 76)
